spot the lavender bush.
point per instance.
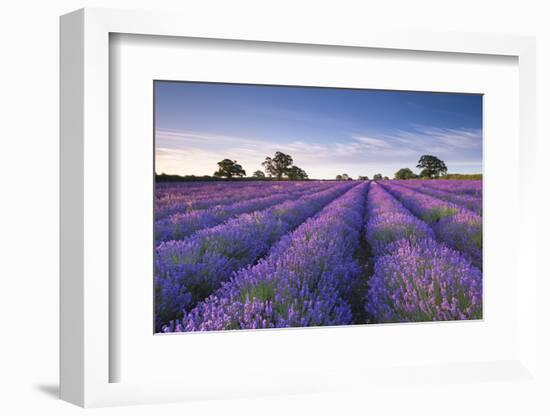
(458, 227)
(244, 255)
(187, 197)
(304, 281)
(471, 202)
(415, 277)
(389, 221)
(181, 225)
(203, 261)
(424, 281)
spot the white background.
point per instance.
(29, 163)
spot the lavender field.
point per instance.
(273, 254)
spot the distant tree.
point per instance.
(259, 174)
(294, 173)
(431, 166)
(404, 173)
(386, 178)
(425, 174)
(279, 165)
(229, 168)
(345, 177)
(377, 177)
(339, 177)
(363, 178)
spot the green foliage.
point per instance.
(229, 168)
(431, 166)
(279, 165)
(294, 173)
(263, 291)
(259, 174)
(438, 212)
(377, 177)
(405, 173)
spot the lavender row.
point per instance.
(181, 225)
(306, 279)
(415, 277)
(179, 201)
(171, 190)
(470, 202)
(190, 270)
(388, 221)
(181, 197)
(456, 226)
(463, 187)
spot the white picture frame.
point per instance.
(86, 355)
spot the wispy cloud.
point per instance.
(440, 139)
(188, 152)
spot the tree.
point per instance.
(363, 178)
(345, 177)
(295, 173)
(229, 168)
(404, 173)
(386, 178)
(259, 174)
(431, 166)
(377, 177)
(279, 165)
(338, 177)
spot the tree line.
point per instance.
(432, 168)
(281, 167)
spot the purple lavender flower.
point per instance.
(463, 231)
(182, 224)
(456, 226)
(207, 258)
(388, 221)
(306, 280)
(173, 198)
(424, 281)
(468, 201)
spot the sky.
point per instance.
(327, 131)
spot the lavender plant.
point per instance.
(423, 280)
(203, 261)
(181, 225)
(306, 280)
(458, 227)
(389, 221)
(468, 201)
(415, 277)
(187, 197)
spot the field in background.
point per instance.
(235, 255)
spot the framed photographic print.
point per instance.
(316, 233)
(294, 208)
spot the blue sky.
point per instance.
(327, 131)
